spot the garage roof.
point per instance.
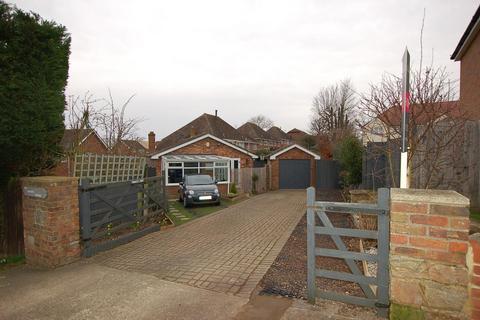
(279, 152)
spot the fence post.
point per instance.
(383, 203)
(311, 274)
(84, 206)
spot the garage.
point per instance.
(294, 174)
(292, 167)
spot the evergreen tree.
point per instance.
(34, 57)
(349, 154)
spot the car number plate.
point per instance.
(205, 197)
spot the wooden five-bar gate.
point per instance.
(375, 288)
(128, 209)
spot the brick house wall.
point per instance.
(470, 79)
(292, 154)
(92, 144)
(206, 146)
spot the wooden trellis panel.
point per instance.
(109, 168)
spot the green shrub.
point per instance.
(349, 154)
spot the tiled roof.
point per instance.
(277, 133)
(135, 146)
(73, 137)
(206, 123)
(253, 131)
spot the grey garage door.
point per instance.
(294, 174)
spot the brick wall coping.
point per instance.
(429, 196)
(48, 179)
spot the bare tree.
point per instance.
(262, 121)
(334, 110)
(103, 116)
(435, 126)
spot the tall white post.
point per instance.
(404, 181)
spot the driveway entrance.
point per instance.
(227, 252)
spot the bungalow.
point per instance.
(207, 145)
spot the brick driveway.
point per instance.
(227, 252)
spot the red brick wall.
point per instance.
(428, 248)
(470, 79)
(51, 225)
(293, 154)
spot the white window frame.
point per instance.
(167, 166)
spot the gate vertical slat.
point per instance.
(311, 275)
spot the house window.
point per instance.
(175, 175)
(176, 171)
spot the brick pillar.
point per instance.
(428, 247)
(473, 262)
(51, 221)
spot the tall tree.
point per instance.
(262, 121)
(334, 110)
(34, 57)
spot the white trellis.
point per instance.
(109, 168)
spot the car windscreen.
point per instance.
(198, 180)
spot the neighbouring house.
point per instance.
(467, 52)
(386, 126)
(76, 141)
(279, 135)
(207, 145)
(258, 138)
(297, 135)
(130, 148)
(293, 167)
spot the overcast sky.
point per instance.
(184, 58)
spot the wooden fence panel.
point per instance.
(246, 179)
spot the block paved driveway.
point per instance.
(226, 252)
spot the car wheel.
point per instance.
(185, 203)
(217, 203)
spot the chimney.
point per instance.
(216, 113)
(151, 141)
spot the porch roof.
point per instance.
(194, 157)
